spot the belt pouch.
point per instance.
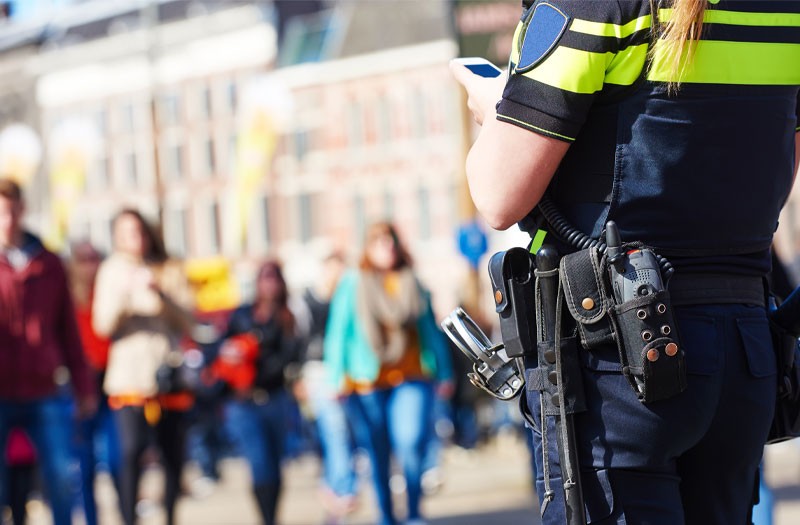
(583, 280)
(651, 356)
(786, 422)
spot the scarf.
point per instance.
(388, 318)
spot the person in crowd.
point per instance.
(384, 347)
(338, 492)
(40, 352)
(678, 120)
(260, 347)
(143, 304)
(97, 431)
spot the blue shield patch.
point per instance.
(543, 29)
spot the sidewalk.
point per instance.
(490, 485)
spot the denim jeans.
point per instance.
(98, 444)
(395, 420)
(49, 424)
(258, 430)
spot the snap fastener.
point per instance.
(671, 349)
(555, 400)
(587, 303)
(553, 377)
(652, 355)
(498, 297)
(550, 356)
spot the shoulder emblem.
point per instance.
(544, 27)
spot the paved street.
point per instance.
(490, 486)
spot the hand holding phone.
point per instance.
(480, 66)
(484, 83)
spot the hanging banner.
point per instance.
(20, 153)
(265, 111)
(73, 146)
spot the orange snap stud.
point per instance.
(652, 355)
(498, 297)
(671, 349)
(587, 303)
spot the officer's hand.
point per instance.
(483, 93)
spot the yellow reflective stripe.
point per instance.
(748, 63)
(515, 44)
(531, 126)
(627, 65)
(572, 70)
(714, 16)
(604, 29)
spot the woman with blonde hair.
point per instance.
(383, 349)
(678, 121)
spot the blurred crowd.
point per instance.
(106, 365)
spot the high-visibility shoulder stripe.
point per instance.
(714, 16)
(626, 67)
(742, 63)
(614, 30)
(515, 44)
(572, 70)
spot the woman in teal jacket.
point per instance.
(385, 352)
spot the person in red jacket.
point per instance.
(40, 352)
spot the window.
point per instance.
(173, 162)
(205, 102)
(384, 120)
(209, 157)
(424, 199)
(360, 217)
(301, 144)
(259, 233)
(176, 238)
(388, 205)
(355, 124)
(169, 110)
(127, 123)
(214, 229)
(99, 173)
(130, 169)
(418, 113)
(306, 212)
(231, 96)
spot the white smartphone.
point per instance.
(480, 66)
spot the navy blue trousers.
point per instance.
(691, 459)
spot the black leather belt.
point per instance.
(692, 289)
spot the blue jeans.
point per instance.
(98, 442)
(259, 433)
(337, 446)
(395, 420)
(49, 424)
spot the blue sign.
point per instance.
(472, 242)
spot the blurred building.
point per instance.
(160, 93)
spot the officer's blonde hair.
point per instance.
(680, 35)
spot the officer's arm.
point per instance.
(508, 167)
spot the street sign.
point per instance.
(472, 242)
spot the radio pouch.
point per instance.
(641, 325)
(512, 276)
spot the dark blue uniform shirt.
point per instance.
(701, 175)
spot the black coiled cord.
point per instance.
(574, 237)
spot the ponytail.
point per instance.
(680, 36)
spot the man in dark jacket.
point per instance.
(40, 352)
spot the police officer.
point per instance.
(680, 123)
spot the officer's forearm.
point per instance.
(508, 169)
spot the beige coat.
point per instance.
(143, 324)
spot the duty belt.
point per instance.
(695, 288)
